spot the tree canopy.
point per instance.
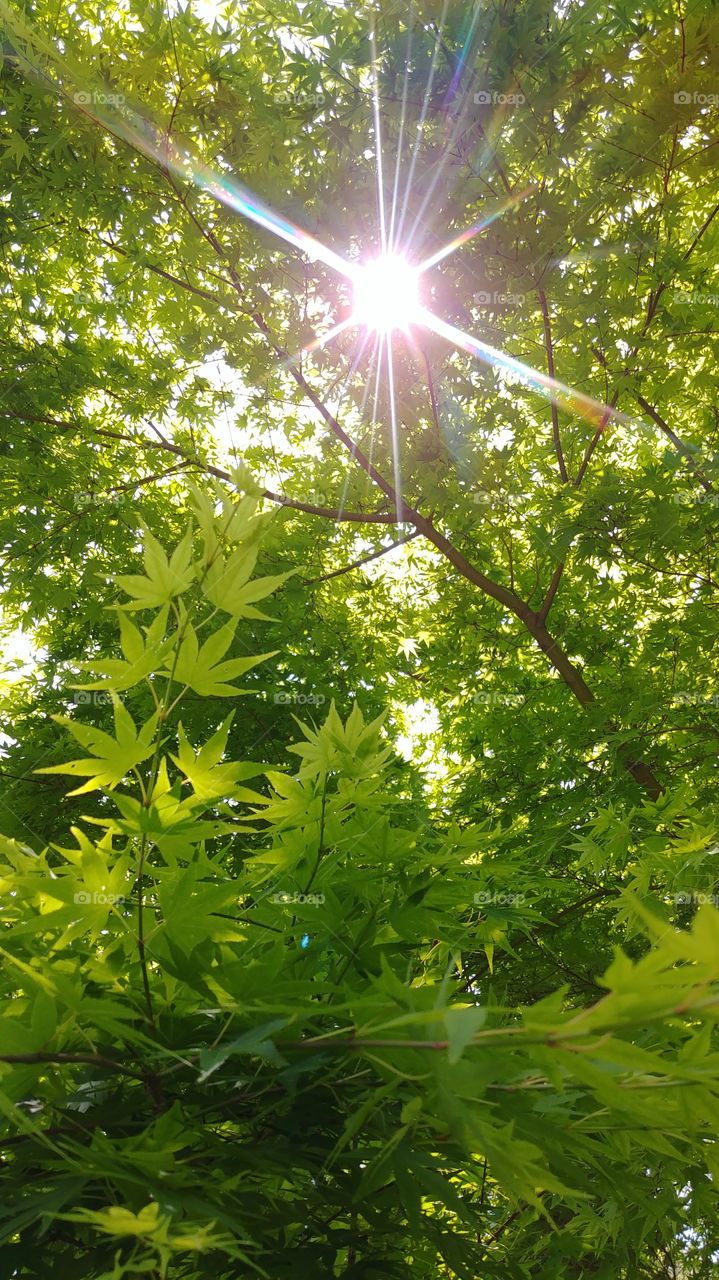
(358, 852)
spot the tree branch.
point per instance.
(679, 445)
(331, 513)
(549, 346)
(551, 592)
(357, 564)
(405, 513)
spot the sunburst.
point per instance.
(386, 291)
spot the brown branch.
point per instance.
(595, 440)
(705, 225)
(60, 1059)
(549, 346)
(679, 445)
(198, 291)
(407, 514)
(357, 564)
(551, 592)
(331, 513)
(433, 398)
(498, 1231)
(661, 288)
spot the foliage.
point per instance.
(249, 1063)
(279, 1006)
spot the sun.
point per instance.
(386, 294)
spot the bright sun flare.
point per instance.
(386, 295)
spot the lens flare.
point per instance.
(386, 289)
(567, 398)
(386, 294)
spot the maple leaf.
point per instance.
(201, 668)
(112, 757)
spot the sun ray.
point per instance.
(463, 57)
(420, 123)
(320, 341)
(396, 468)
(378, 144)
(400, 139)
(373, 423)
(566, 397)
(464, 236)
(227, 190)
(363, 401)
(451, 137)
(142, 135)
